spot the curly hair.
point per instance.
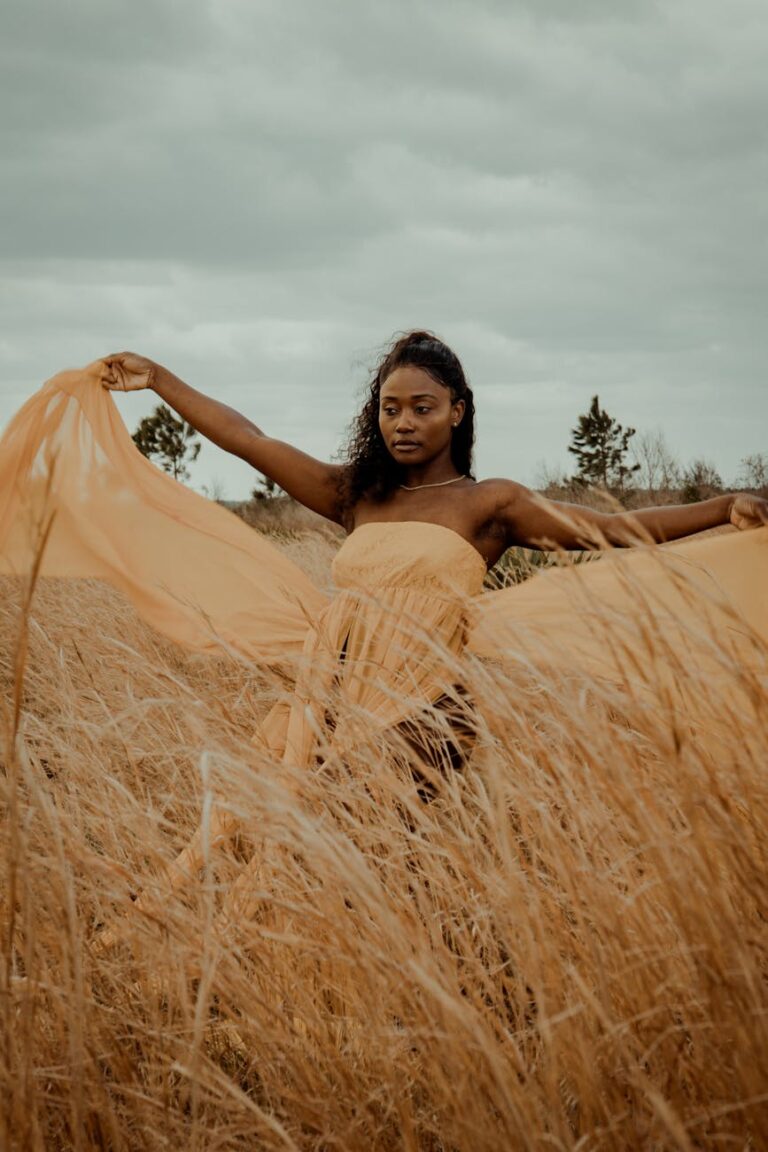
(369, 468)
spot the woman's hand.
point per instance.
(128, 372)
(749, 511)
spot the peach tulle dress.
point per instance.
(409, 597)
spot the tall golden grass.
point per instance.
(565, 948)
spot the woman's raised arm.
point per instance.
(310, 481)
(533, 521)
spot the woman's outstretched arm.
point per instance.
(310, 481)
(533, 521)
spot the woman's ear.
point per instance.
(457, 412)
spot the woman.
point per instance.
(422, 531)
(388, 652)
(415, 435)
(79, 499)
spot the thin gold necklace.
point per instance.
(438, 484)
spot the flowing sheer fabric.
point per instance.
(192, 569)
(703, 598)
(410, 602)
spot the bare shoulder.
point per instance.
(497, 496)
(504, 509)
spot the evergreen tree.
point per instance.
(171, 440)
(600, 446)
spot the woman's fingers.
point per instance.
(749, 511)
(127, 371)
(107, 376)
(114, 375)
(110, 378)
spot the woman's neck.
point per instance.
(432, 474)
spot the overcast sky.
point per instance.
(572, 193)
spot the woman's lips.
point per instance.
(405, 446)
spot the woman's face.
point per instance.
(416, 415)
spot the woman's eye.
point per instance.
(422, 411)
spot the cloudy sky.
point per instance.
(259, 193)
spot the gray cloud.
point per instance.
(261, 193)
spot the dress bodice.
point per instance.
(411, 554)
(389, 641)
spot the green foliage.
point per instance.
(701, 480)
(600, 445)
(169, 440)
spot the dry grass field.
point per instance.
(565, 948)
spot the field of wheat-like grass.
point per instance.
(562, 946)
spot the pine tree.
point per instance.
(600, 445)
(169, 439)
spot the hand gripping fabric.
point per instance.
(192, 569)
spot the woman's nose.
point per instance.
(404, 422)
